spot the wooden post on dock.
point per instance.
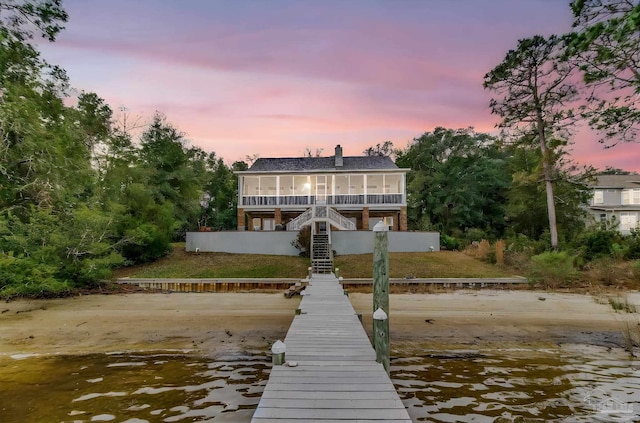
(381, 293)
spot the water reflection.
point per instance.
(570, 384)
(132, 388)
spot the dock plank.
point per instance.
(336, 378)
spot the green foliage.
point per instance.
(171, 176)
(632, 242)
(20, 17)
(605, 45)
(635, 270)
(552, 269)
(458, 180)
(598, 242)
(534, 91)
(303, 241)
(622, 304)
(448, 242)
(526, 209)
(77, 197)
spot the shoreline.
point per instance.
(212, 324)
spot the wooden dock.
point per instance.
(336, 378)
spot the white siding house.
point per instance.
(617, 197)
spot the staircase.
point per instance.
(321, 254)
(324, 214)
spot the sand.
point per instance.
(211, 324)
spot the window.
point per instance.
(598, 196)
(628, 221)
(631, 196)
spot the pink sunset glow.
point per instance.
(273, 78)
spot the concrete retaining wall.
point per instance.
(279, 243)
(361, 242)
(243, 242)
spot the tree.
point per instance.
(526, 206)
(458, 181)
(605, 45)
(534, 88)
(309, 153)
(172, 176)
(53, 233)
(19, 17)
(609, 170)
(384, 149)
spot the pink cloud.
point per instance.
(273, 80)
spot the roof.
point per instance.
(617, 181)
(305, 164)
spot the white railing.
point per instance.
(342, 221)
(309, 200)
(321, 213)
(301, 220)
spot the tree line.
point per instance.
(78, 195)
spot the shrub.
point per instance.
(24, 277)
(303, 241)
(633, 245)
(599, 242)
(635, 270)
(448, 242)
(552, 269)
(606, 271)
(475, 234)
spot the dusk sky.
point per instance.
(273, 77)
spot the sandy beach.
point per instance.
(213, 323)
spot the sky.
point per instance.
(273, 78)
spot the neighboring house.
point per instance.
(617, 197)
(338, 192)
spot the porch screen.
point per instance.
(286, 185)
(251, 185)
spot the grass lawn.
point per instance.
(442, 264)
(180, 264)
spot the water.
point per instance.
(568, 384)
(133, 388)
(564, 384)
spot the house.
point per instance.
(339, 192)
(617, 197)
(341, 198)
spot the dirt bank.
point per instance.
(211, 323)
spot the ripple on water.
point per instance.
(510, 386)
(132, 387)
(453, 386)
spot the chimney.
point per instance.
(338, 156)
